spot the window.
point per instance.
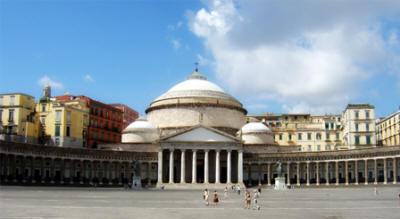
(356, 127)
(68, 131)
(327, 136)
(318, 147)
(357, 140)
(368, 139)
(58, 116)
(309, 147)
(68, 116)
(318, 136)
(328, 147)
(290, 137)
(44, 107)
(280, 136)
(11, 115)
(326, 125)
(332, 125)
(299, 136)
(57, 131)
(1, 101)
(356, 114)
(367, 114)
(367, 127)
(12, 100)
(308, 136)
(337, 135)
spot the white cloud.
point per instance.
(47, 81)
(173, 27)
(176, 44)
(88, 78)
(310, 56)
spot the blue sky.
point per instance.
(133, 51)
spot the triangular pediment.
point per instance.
(200, 134)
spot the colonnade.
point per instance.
(204, 158)
(328, 172)
(49, 170)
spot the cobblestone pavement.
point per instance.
(87, 203)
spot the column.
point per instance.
(52, 174)
(206, 166)
(62, 170)
(249, 173)
(182, 166)
(194, 166)
(229, 170)
(384, 171)
(346, 172)
(259, 174)
(171, 165)
(327, 173)
(83, 174)
(288, 173)
(375, 172)
(110, 170)
(337, 172)
(217, 167)
(317, 169)
(269, 174)
(23, 169)
(240, 166)
(160, 167)
(366, 172)
(32, 169)
(308, 173)
(148, 173)
(42, 169)
(356, 171)
(298, 173)
(394, 170)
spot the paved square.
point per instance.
(332, 203)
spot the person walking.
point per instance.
(238, 189)
(247, 200)
(206, 195)
(255, 200)
(215, 198)
(226, 192)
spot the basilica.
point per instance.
(196, 135)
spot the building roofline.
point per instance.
(17, 93)
(388, 117)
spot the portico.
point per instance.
(200, 155)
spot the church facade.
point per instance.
(194, 136)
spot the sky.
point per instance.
(274, 56)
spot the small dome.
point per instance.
(141, 124)
(140, 131)
(255, 127)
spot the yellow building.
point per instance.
(358, 121)
(388, 130)
(308, 132)
(18, 119)
(62, 123)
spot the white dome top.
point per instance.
(196, 85)
(141, 124)
(255, 127)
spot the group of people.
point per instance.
(248, 197)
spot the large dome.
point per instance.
(196, 85)
(196, 101)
